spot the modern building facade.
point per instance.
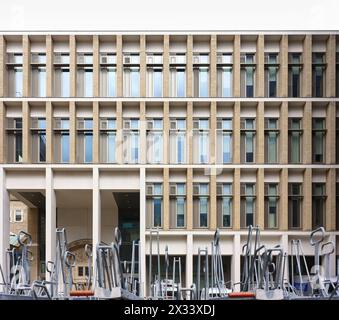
(185, 132)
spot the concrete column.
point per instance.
(330, 219)
(143, 143)
(26, 133)
(50, 217)
(260, 199)
(213, 132)
(166, 199)
(118, 152)
(236, 199)
(307, 200)
(72, 131)
(26, 65)
(236, 132)
(283, 133)
(189, 260)
(166, 71)
(4, 218)
(189, 200)
(307, 69)
(3, 147)
(96, 66)
(189, 119)
(49, 132)
(166, 132)
(236, 66)
(283, 200)
(143, 66)
(260, 134)
(96, 132)
(236, 276)
(96, 212)
(283, 70)
(142, 243)
(49, 66)
(330, 133)
(213, 65)
(331, 66)
(3, 72)
(72, 65)
(260, 68)
(189, 67)
(307, 134)
(119, 65)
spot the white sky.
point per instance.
(113, 15)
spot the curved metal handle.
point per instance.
(88, 250)
(69, 259)
(314, 233)
(49, 270)
(117, 236)
(330, 243)
(25, 234)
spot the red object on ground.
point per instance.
(245, 294)
(81, 293)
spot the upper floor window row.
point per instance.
(155, 77)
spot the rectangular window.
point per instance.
(294, 74)
(154, 82)
(84, 75)
(271, 74)
(247, 204)
(224, 141)
(224, 74)
(177, 205)
(271, 205)
(85, 82)
(18, 216)
(14, 142)
(108, 81)
(154, 140)
(247, 127)
(38, 131)
(107, 75)
(15, 75)
(224, 205)
(201, 205)
(318, 135)
(318, 205)
(294, 205)
(131, 140)
(154, 205)
(61, 82)
(131, 82)
(178, 82)
(61, 140)
(38, 81)
(107, 140)
(85, 140)
(201, 82)
(247, 74)
(319, 66)
(337, 140)
(201, 140)
(177, 141)
(294, 140)
(271, 140)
